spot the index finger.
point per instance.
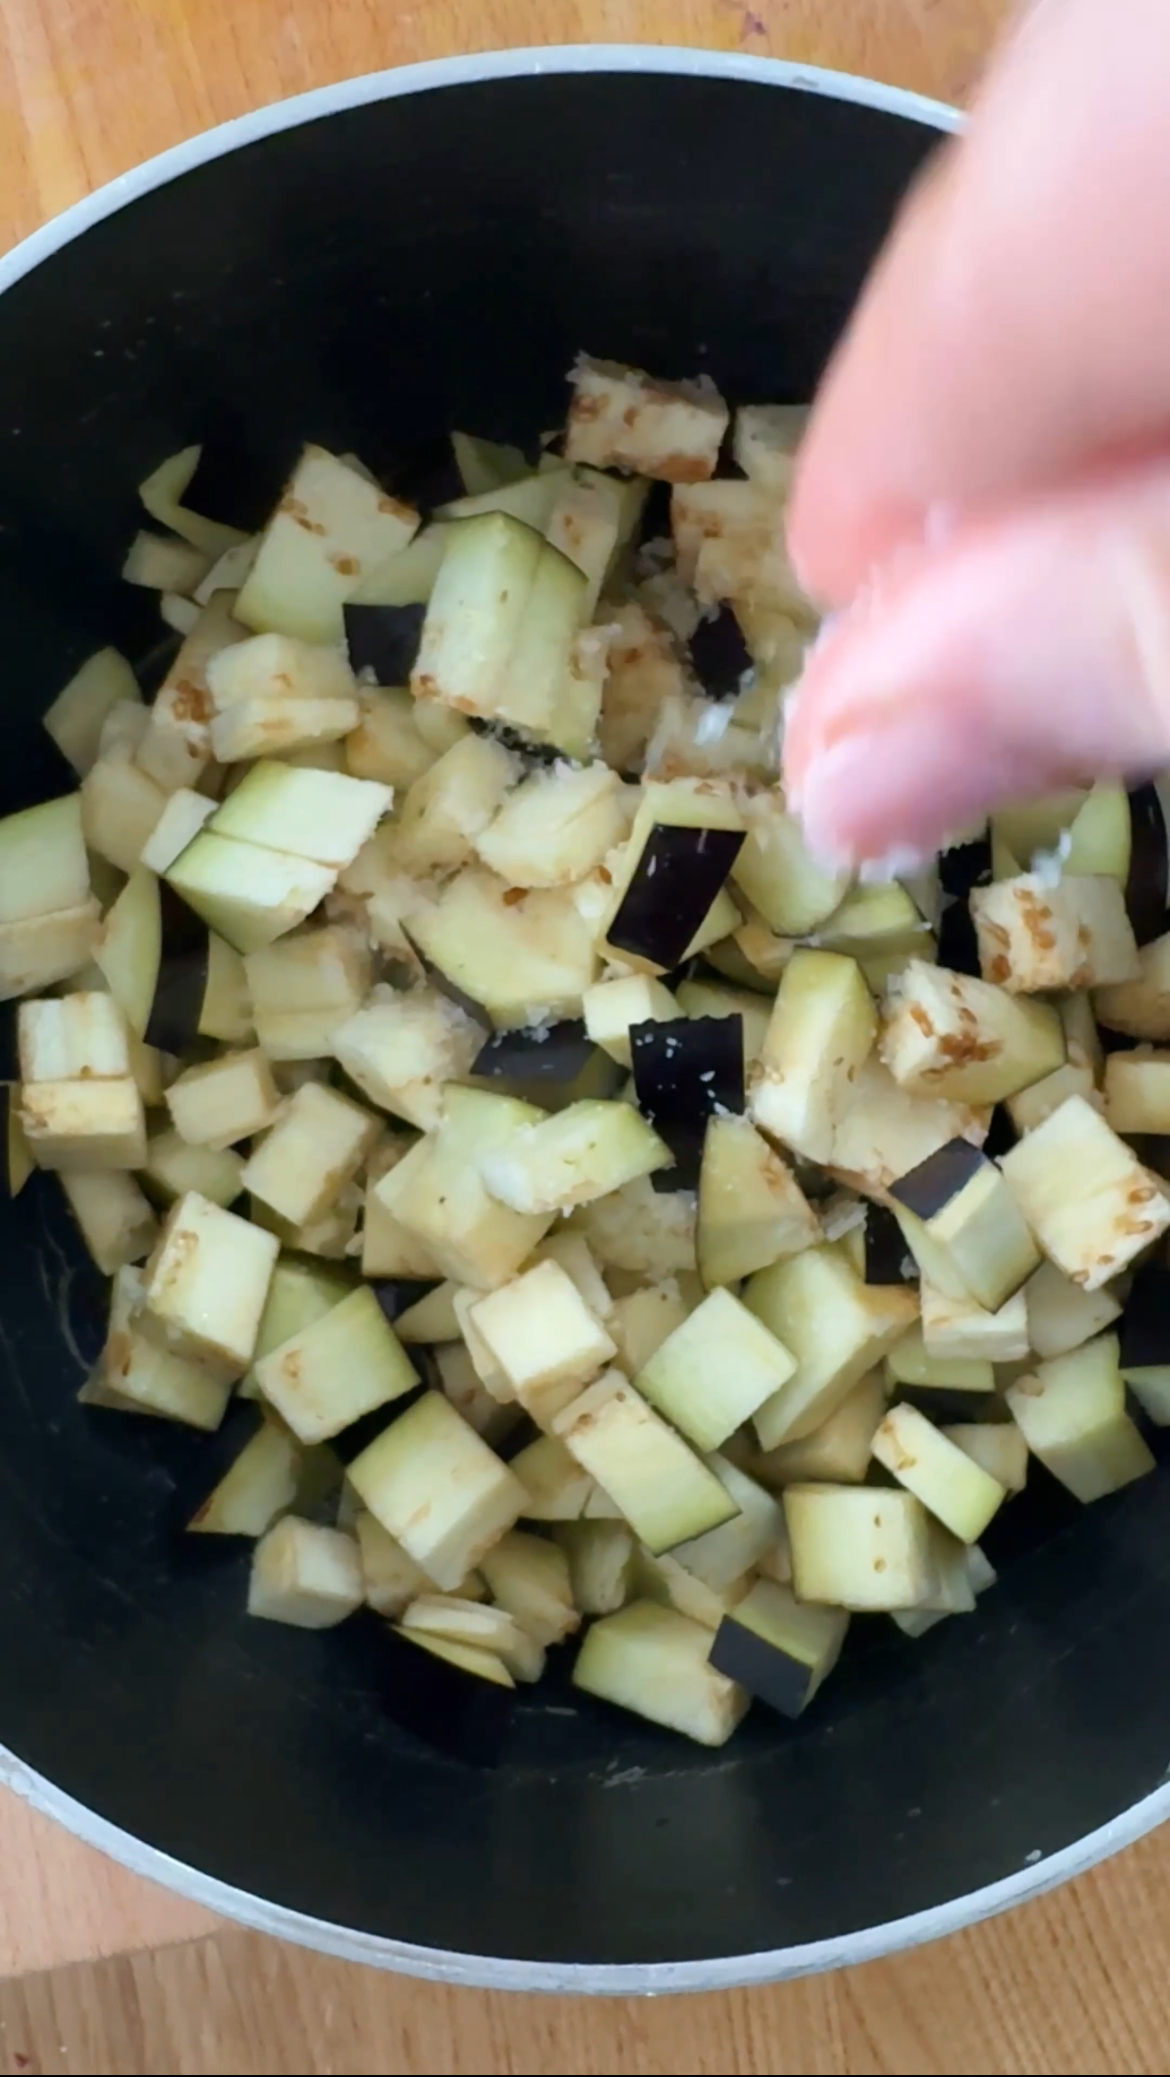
(1017, 325)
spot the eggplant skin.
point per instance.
(770, 1674)
(685, 1071)
(384, 640)
(676, 879)
(888, 1259)
(177, 1008)
(558, 1055)
(943, 1176)
(1147, 887)
(719, 654)
(1144, 1326)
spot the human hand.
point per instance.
(985, 485)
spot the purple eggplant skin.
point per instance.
(768, 1673)
(384, 640)
(926, 1189)
(1147, 887)
(676, 879)
(685, 1071)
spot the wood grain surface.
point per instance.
(1076, 1982)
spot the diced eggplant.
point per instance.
(305, 1575)
(525, 960)
(330, 529)
(44, 870)
(544, 1337)
(720, 657)
(1137, 1092)
(321, 818)
(729, 541)
(207, 1284)
(955, 1488)
(550, 1065)
(778, 1649)
(836, 1453)
(566, 1160)
(438, 1489)
(948, 1035)
(823, 1013)
(246, 893)
(170, 1383)
(686, 1072)
(1029, 1107)
(75, 718)
(392, 1579)
(1147, 888)
(311, 1153)
(1033, 936)
(723, 1556)
(622, 418)
(911, 1363)
(162, 563)
(766, 440)
(998, 1446)
(602, 1564)
(180, 822)
(1061, 1315)
(82, 1124)
(299, 1293)
(1088, 1200)
(173, 1167)
(858, 1547)
(480, 1407)
(887, 1258)
(447, 1618)
(260, 1484)
(752, 1211)
(339, 1367)
(431, 1318)
(642, 1320)
(683, 844)
(128, 950)
(438, 1195)
(384, 639)
(653, 1661)
(530, 1578)
(224, 1100)
(778, 874)
(117, 1224)
(402, 1048)
(302, 989)
(715, 1371)
(704, 996)
(664, 1581)
(614, 1008)
(641, 1231)
(555, 1484)
(837, 1328)
(665, 1492)
(71, 1038)
(1072, 1413)
(556, 827)
(42, 949)
(959, 1328)
(964, 1227)
(452, 804)
(1140, 1007)
(162, 495)
(644, 672)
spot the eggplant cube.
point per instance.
(530, 1579)
(1087, 1198)
(260, 1485)
(392, 1579)
(280, 670)
(666, 1493)
(1137, 1092)
(752, 1210)
(453, 803)
(323, 818)
(655, 1662)
(39, 950)
(581, 1153)
(1072, 1412)
(438, 1489)
(72, 1038)
(724, 1557)
(246, 893)
(556, 1485)
(451, 1619)
(438, 1195)
(314, 1150)
(224, 1100)
(950, 1035)
(613, 1008)
(910, 1362)
(859, 1548)
(303, 988)
(645, 1232)
(621, 418)
(958, 1492)
(836, 1326)
(332, 526)
(116, 1221)
(777, 1648)
(767, 437)
(1141, 1007)
(305, 1575)
(544, 1337)
(403, 1047)
(84, 1124)
(556, 827)
(715, 1371)
(178, 825)
(641, 1322)
(686, 1072)
(964, 1227)
(383, 639)
(173, 1167)
(1062, 1315)
(686, 836)
(602, 1563)
(336, 1369)
(43, 866)
(959, 1328)
(822, 1030)
(838, 1452)
(390, 1249)
(527, 960)
(1034, 937)
(207, 1283)
(998, 1446)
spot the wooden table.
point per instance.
(1077, 1982)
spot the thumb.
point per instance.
(1029, 650)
